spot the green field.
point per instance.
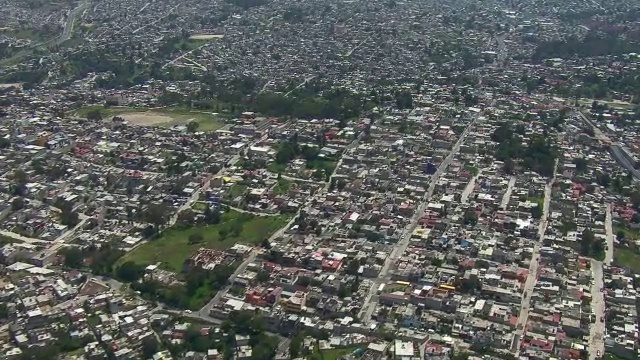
(282, 186)
(627, 258)
(178, 116)
(335, 354)
(236, 190)
(173, 247)
(276, 168)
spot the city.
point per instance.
(259, 179)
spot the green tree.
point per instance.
(156, 214)
(192, 126)
(73, 257)
(195, 238)
(586, 242)
(536, 212)
(4, 311)
(581, 164)
(129, 271)
(296, 344)
(94, 115)
(149, 347)
(17, 203)
(470, 217)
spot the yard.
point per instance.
(282, 186)
(236, 190)
(174, 246)
(627, 258)
(336, 353)
(157, 117)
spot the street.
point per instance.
(533, 266)
(597, 329)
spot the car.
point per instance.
(598, 353)
(601, 319)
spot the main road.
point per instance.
(615, 150)
(370, 302)
(533, 266)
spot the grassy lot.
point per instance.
(335, 354)
(472, 169)
(173, 247)
(328, 166)
(282, 186)
(628, 233)
(178, 115)
(236, 190)
(627, 258)
(200, 206)
(276, 168)
(611, 357)
(93, 320)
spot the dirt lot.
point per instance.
(146, 118)
(205, 37)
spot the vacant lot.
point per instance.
(165, 117)
(146, 118)
(627, 258)
(174, 246)
(205, 37)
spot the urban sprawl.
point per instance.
(322, 180)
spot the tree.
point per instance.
(129, 271)
(352, 267)
(156, 214)
(508, 166)
(404, 100)
(236, 228)
(212, 216)
(620, 235)
(73, 257)
(69, 217)
(195, 238)
(296, 344)
(470, 285)
(586, 242)
(4, 311)
(94, 115)
(470, 217)
(536, 212)
(149, 347)
(17, 203)
(581, 165)
(192, 126)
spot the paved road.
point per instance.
(71, 20)
(370, 302)
(615, 150)
(597, 329)
(507, 194)
(469, 188)
(533, 266)
(608, 227)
